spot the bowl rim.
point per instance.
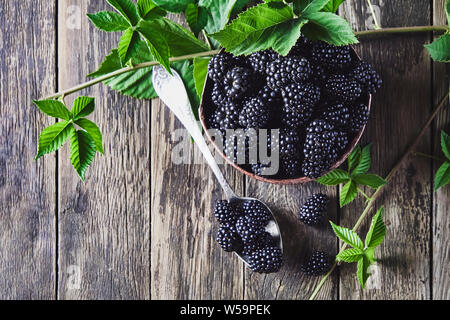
(301, 180)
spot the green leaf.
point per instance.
(176, 6)
(364, 163)
(127, 45)
(362, 273)
(348, 193)
(445, 143)
(82, 151)
(329, 27)
(109, 21)
(52, 138)
(127, 9)
(313, 6)
(200, 73)
(148, 10)
(442, 176)
(371, 180)
(205, 3)
(196, 18)
(186, 70)
(369, 253)
(334, 178)
(82, 107)
(217, 16)
(93, 130)
(239, 6)
(53, 108)
(333, 6)
(156, 43)
(439, 49)
(350, 255)
(348, 236)
(251, 25)
(447, 10)
(377, 230)
(354, 158)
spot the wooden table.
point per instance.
(141, 227)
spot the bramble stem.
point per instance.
(379, 189)
(429, 156)
(377, 26)
(386, 31)
(364, 194)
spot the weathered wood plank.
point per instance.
(104, 223)
(399, 111)
(27, 187)
(441, 200)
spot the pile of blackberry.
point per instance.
(242, 229)
(316, 96)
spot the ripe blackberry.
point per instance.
(228, 238)
(318, 264)
(254, 114)
(341, 141)
(259, 60)
(302, 47)
(225, 212)
(219, 66)
(289, 143)
(319, 75)
(295, 117)
(218, 95)
(285, 70)
(336, 114)
(343, 88)
(331, 57)
(249, 228)
(266, 260)
(360, 117)
(314, 209)
(237, 81)
(367, 77)
(238, 146)
(264, 240)
(257, 211)
(259, 169)
(297, 94)
(291, 167)
(227, 116)
(269, 96)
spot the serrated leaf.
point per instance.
(52, 138)
(445, 143)
(439, 49)
(156, 43)
(127, 45)
(250, 25)
(93, 130)
(217, 16)
(82, 151)
(348, 193)
(82, 107)
(442, 176)
(370, 255)
(329, 27)
(176, 6)
(348, 236)
(186, 70)
(364, 163)
(127, 9)
(377, 230)
(205, 3)
(109, 21)
(148, 10)
(332, 6)
(313, 6)
(354, 158)
(371, 180)
(350, 255)
(53, 108)
(334, 178)
(200, 73)
(196, 18)
(362, 273)
(239, 6)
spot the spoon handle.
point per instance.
(171, 91)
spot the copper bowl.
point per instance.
(203, 105)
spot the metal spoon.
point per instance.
(171, 91)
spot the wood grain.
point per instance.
(104, 223)
(399, 112)
(27, 187)
(441, 201)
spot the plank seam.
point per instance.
(56, 262)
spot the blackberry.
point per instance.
(319, 75)
(238, 146)
(331, 57)
(314, 209)
(218, 95)
(228, 238)
(360, 117)
(255, 114)
(259, 60)
(263, 240)
(318, 264)
(249, 228)
(341, 141)
(257, 211)
(343, 88)
(269, 96)
(297, 94)
(367, 77)
(227, 116)
(225, 212)
(289, 143)
(302, 47)
(237, 81)
(285, 70)
(219, 66)
(266, 260)
(291, 167)
(336, 114)
(259, 168)
(295, 117)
